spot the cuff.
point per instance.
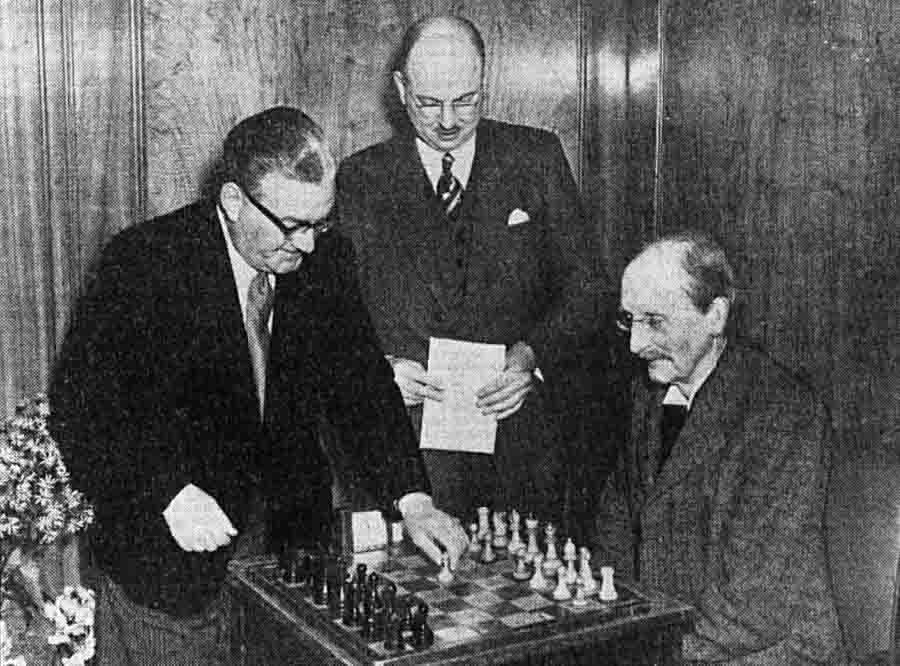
(413, 503)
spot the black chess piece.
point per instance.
(348, 613)
(378, 614)
(390, 630)
(427, 634)
(360, 594)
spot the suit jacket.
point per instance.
(154, 390)
(536, 281)
(733, 522)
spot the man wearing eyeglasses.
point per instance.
(718, 496)
(470, 229)
(210, 347)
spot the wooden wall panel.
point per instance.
(211, 63)
(620, 136)
(780, 136)
(65, 132)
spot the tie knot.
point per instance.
(446, 162)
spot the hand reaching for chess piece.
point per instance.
(432, 530)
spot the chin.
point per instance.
(660, 372)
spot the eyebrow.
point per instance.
(429, 98)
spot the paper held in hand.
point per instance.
(455, 423)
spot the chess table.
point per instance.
(483, 616)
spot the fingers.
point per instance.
(507, 397)
(422, 539)
(434, 532)
(415, 384)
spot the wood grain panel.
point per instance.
(621, 131)
(213, 62)
(780, 136)
(64, 128)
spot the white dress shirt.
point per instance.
(432, 160)
(243, 272)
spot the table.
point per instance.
(484, 616)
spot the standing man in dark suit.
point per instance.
(210, 345)
(470, 229)
(719, 497)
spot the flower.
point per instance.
(38, 506)
(72, 615)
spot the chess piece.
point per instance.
(484, 525)
(445, 576)
(500, 538)
(580, 596)
(585, 572)
(487, 553)
(390, 630)
(348, 614)
(515, 541)
(521, 572)
(474, 539)
(531, 525)
(551, 561)
(561, 593)
(538, 582)
(570, 555)
(607, 587)
(427, 632)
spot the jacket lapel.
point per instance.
(703, 434)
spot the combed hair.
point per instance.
(281, 139)
(704, 261)
(415, 32)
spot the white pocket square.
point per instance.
(518, 216)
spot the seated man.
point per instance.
(718, 497)
(210, 346)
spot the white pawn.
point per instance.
(580, 596)
(521, 572)
(552, 561)
(532, 550)
(515, 541)
(474, 541)
(487, 553)
(445, 576)
(538, 582)
(570, 554)
(562, 593)
(484, 524)
(607, 588)
(587, 576)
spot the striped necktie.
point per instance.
(449, 189)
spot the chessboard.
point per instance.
(483, 607)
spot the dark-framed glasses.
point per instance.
(296, 226)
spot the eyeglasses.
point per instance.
(288, 231)
(432, 108)
(655, 323)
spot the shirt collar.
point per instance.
(242, 271)
(463, 157)
(683, 395)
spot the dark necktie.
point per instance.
(673, 417)
(259, 307)
(449, 189)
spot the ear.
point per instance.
(400, 85)
(231, 199)
(717, 315)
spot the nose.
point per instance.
(638, 339)
(304, 240)
(448, 115)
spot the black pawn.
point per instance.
(427, 638)
(348, 612)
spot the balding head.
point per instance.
(439, 78)
(676, 297)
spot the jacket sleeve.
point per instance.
(120, 446)
(374, 433)
(766, 590)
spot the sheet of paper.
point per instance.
(455, 424)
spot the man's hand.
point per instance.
(415, 384)
(504, 396)
(431, 529)
(197, 522)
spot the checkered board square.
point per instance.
(483, 604)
